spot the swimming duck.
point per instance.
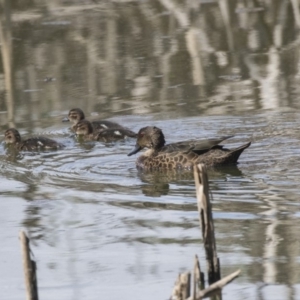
(84, 130)
(12, 138)
(181, 155)
(76, 114)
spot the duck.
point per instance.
(13, 139)
(181, 155)
(76, 115)
(85, 131)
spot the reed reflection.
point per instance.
(6, 40)
(199, 57)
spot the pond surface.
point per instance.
(99, 228)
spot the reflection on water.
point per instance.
(162, 62)
(7, 59)
(84, 206)
(141, 58)
(157, 183)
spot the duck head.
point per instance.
(149, 137)
(12, 136)
(75, 115)
(83, 128)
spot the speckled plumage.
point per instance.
(85, 131)
(76, 115)
(182, 155)
(13, 139)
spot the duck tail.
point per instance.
(235, 153)
(129, 133)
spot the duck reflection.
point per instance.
(224, 172)
(158, 182)
(13, 155)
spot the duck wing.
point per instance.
(216, 157)
(196, 146)
(114, 134)
(103, 125)
(39, 143)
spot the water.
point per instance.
(98, 226)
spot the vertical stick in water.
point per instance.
(206, 221)
(181, 290)
(198, 277)
(29, 267)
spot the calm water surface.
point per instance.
(98, 226)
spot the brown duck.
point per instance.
(76, 115)
(13, 139)
(181, 155)
(85, 131)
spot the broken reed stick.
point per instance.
(206, 221)
(216, 287)
(182, 287)
(29, 267)
(207, 226)
(181, 290)
(198, 278)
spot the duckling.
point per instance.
(13, 139)
(181, 155)
(76, 114)
(84, 130)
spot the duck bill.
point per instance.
(136, 149)
(66, 119)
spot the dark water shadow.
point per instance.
(157, 183)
